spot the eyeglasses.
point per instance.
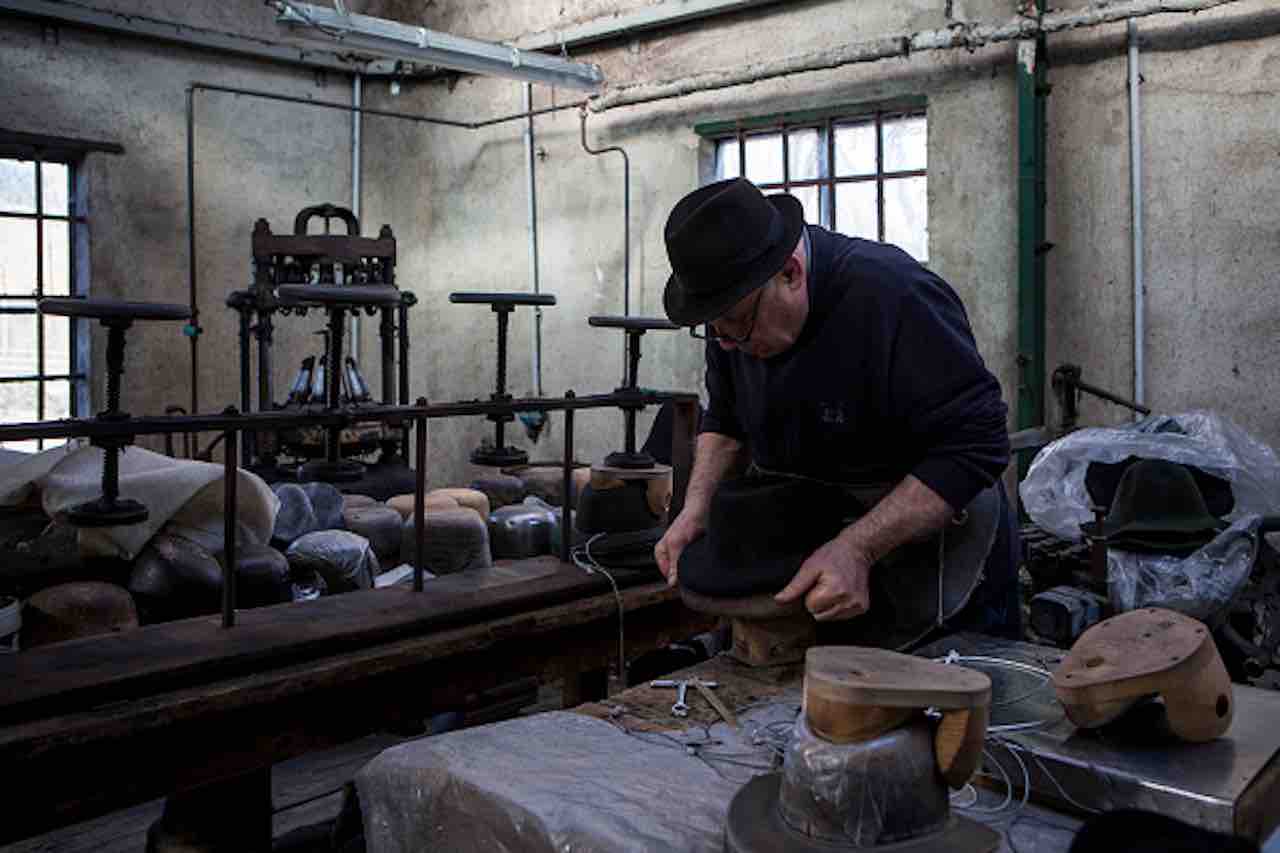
(709, 332)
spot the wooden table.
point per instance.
(100, 724)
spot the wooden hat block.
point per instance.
(1143, 653)
(854, 694)
(765, 633)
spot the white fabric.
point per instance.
(185, 494)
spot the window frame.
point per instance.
(76, 218)
(825, 121)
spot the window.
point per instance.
(863, 175)
(42, 368)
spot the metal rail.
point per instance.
(231, 423)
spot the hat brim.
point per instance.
(687, 309)
(754, 825)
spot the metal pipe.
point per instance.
(1135, 204)
(230, 474)
(626, 222)
(420, 502)
(566, 514)
(896, 45)
(356, 119)
(193, 326)
(530, 165)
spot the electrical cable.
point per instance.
(585, 561)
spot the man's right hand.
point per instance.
(687, 527)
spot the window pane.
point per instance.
(17, 256)
(17, 344)
(17, 186)
(764, 158)
(905, 145)
(906, 216)
(809, 199)
(803, 147)
(727, 159)
(53, 185)
(57, 258)
(856, 149)
(57, 345)
(18, 405)
(856, 210)
(57, 400)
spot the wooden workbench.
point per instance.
(101, 724)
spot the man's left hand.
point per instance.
(835, 582)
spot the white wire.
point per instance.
(590, 566)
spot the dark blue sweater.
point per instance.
(885, 380)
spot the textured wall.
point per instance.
(461, 194)
(456, 198)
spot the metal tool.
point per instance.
(681, 707)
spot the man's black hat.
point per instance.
(724, 241)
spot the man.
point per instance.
(843, 360)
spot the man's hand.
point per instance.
(836, 579)
(687, 527)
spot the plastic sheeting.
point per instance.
(344, 560)
(305, 508)
(1054, 492)
(1200, 585)
(555, 782)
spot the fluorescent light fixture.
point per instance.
(386, 39)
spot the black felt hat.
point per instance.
(760, 530)
(724, 241)
(1156, 499)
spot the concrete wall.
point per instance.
(457, 200)
(254, 158)
(1211, 135)
(461, 195)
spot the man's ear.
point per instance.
(791, 271)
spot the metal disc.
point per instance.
(100, 513)
(498, 457)
(342, 471)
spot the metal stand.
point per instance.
(498, 454)
(634, 328)
(110, 510)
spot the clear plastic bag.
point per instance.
(344, 560)
(1200, 585)
(1054, 492)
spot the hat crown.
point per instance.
(755, 519)
(1158, 495)
(724, 241)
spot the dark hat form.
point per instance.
(1157, 508)
(760, 530)
(724, 241)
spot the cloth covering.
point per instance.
(500, 788)
(182, 493)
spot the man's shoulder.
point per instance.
(864, 271)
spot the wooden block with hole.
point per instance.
(1141, 653)
(855, 694)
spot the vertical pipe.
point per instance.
(230, 477)
(40, 360)
(387, 333)
(566, 514)
(1032, 87)
(420, 501)
(626, 221)
(356, 116)
(333, 395)
(246, 404)
(193, 329)
(1135, 203)
(530, 174)
(402, 367)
